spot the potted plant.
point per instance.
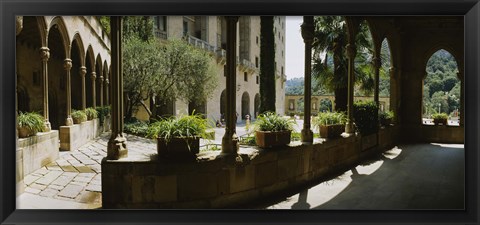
(386, 118)
(178, 137)
(91, 113)
(78, 116)
(272, 130)
(330, 124)
(440, 118)
(29, 124)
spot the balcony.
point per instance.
(247, 66)
(160, 34)
(200, 43)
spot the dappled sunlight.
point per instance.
(392, 153)
(369, 169)
(449, 146)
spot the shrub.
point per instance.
(330, 118)
(136, 127)
(102, 112)
(270, 121)
(91, 113)
(185, 126)
(385, 117)
(79, 116)
(32, 121)
(439, 116)
(365, 115)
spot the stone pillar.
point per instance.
(45, 55)
(462, 98)
(67, 65)
(351, 52)
(230, 140)
(107, 82)
(307, 35)
(94, 97)
(117, 144)
(83, 72)
(377, 63)
(101, 90)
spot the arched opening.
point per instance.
(29, 65)
(98, 80)
(441, 88)
(364, 71)
(89, 63)
(257, 104)
(325, 105)
(245, 104)
(386, 65)
(223, 104)
(56, 77)
(315, 106)
(75, 75)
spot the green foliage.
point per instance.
(31, 120)
(136, 127)
(267, 65)
(79, 115)
(439, 116)
(365, 115)
(270, 121)
(105, 22)
(248, 140)
(137, 26)
(91, 113)
(184, 126)
(329, 118)
(385, 115)
(102, 112)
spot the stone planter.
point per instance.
(332, 131)
(178, 147)
(24, 132)
(269, 139)
(440, 121)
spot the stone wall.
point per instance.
(431, 133)
(72, 137)
(216, 182)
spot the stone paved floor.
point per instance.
(410, 176)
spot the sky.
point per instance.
(295, 48)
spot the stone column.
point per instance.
(377, 63)
(94, 97)
(101, 90)
(230, 140)
(307, 35)
(67, 65)
(117, 144)
(351, 52)
(83, 72)
(107, 82)
(45, 55)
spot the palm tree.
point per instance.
(330, 42)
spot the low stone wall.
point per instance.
(432, 133)
(33, 153)
(72, 137)
(218, 182)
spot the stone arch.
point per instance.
(442, 46)
(78, 40)
(315, 104)
(245, 104)
(328, 103)
(223, 103)
(90, 65)
(256, 105)
(59, 24)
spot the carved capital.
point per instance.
(44, 53)
(19, 24)
(94, 75)
(83, 71)
(307, 29)
(351, 51)
(101, 78)
(67, 64)
(107, 81)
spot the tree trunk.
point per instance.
(267, 65)
(341, 99)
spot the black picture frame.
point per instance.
(9, 8)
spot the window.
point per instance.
(282, 70)
(257, 40)
(257, 79)
(256, 61)
(160, 23)
(245, 76)
(185, 28)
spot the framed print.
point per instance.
(209, 112)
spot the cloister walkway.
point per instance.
(419, 176)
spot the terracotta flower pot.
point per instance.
(24, 132)
(269, 139)
(77, 120)
(332, 131)
(178, 147)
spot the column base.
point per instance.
(307, 136)
(117, 147)
(349, 129)
(47, 126)
(230, 145)
(69, 121)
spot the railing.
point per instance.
(200, 43)
(161, 34)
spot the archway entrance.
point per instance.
(245, 105)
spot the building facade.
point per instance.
(209, 33)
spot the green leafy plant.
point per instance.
(270, 121)
(32, 122)
(365, 115)
(330, 118)
(439, 116)
(91, 113)
(136, 127)
(185, 126)
(385, 117)
(78, 116)
(102, 112)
